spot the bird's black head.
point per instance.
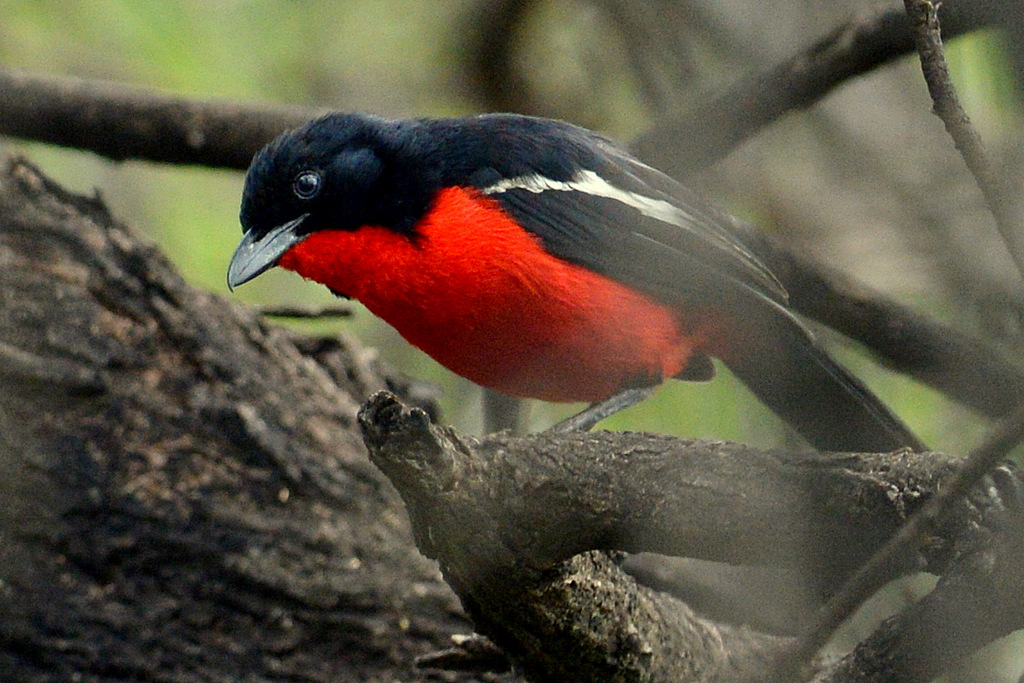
(334, 172)
(327, 166)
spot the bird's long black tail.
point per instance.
(819, 398)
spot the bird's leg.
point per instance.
(595, 412)
(501, 412)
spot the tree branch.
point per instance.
(508, 519)
(965, 368)
(1000, 194)
(976, 602)
(911, 536)
(122, 122)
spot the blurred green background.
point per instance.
(866, 181)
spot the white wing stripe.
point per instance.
(591, 183)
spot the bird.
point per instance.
(542, 260)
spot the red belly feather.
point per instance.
(482, 297)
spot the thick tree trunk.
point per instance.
(185, 495)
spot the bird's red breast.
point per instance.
(480, 295)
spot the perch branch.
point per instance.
(977, 601)
(504, 514)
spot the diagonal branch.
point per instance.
(963, 367)
(702, 135)
(977, 601)
(912, 536)
(999, 192)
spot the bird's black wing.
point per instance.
(626, 220)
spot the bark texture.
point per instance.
(185, 494)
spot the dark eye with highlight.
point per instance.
(307, 184)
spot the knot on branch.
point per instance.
(406, 446)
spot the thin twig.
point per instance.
(924, 19)
(859, 587)
(999, 193)
(298, 312)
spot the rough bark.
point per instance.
(185, 495)
(514, 522)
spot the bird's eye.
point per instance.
(307, 184)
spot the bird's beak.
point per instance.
(257, 255)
